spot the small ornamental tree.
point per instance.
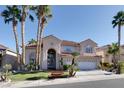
(72, 68)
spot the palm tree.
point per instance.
(43, 13)
(24, 12)
(113, 50)
(32, 41)
(12, 14)
(118, 21)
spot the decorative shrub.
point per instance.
(105, 66)
(72, 70)
(61, 63)
(6, 72)
(65, 67)
(121, 67)
(31, 66)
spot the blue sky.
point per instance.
(75, 23)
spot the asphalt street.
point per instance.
(113, 83)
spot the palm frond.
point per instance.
(31, 17)
(8, 20)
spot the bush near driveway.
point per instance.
(121, 65)
(105, 66)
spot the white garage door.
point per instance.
(87, 65)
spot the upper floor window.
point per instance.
(68, 49)
(89, 49)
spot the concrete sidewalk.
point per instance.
(80, 77)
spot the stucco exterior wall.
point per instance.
(51, 43)
(28, 51)
(86, 43)
(10, 58)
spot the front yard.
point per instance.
(31, 75)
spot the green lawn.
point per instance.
(31, 76)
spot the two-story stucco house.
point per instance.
(53, 49)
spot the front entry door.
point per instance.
(51, 59)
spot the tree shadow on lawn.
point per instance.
(35, 78)
(42, 77)
(52, 78)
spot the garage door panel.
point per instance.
(87, 65)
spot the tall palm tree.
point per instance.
(43, 13)
(118, 20)
(113, 50)
(12, 14)
(24, 12)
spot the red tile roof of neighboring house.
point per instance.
(70, 43)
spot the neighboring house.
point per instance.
(7, 56)
(106, 57)
(53, 49)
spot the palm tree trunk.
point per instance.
(119, 39)
(17, 43)
(38, 38)
(23, 41)
(114, 60)
(41, 37)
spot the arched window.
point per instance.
(32, 57)
(88, 49)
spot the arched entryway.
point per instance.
(51, 59)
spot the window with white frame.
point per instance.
(88, 49)
(69, 49)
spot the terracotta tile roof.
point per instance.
(31, 45)
(88, 40)
(65, 53)
(70, 43)
(81, 56)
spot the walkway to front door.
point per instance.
(51, 59)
